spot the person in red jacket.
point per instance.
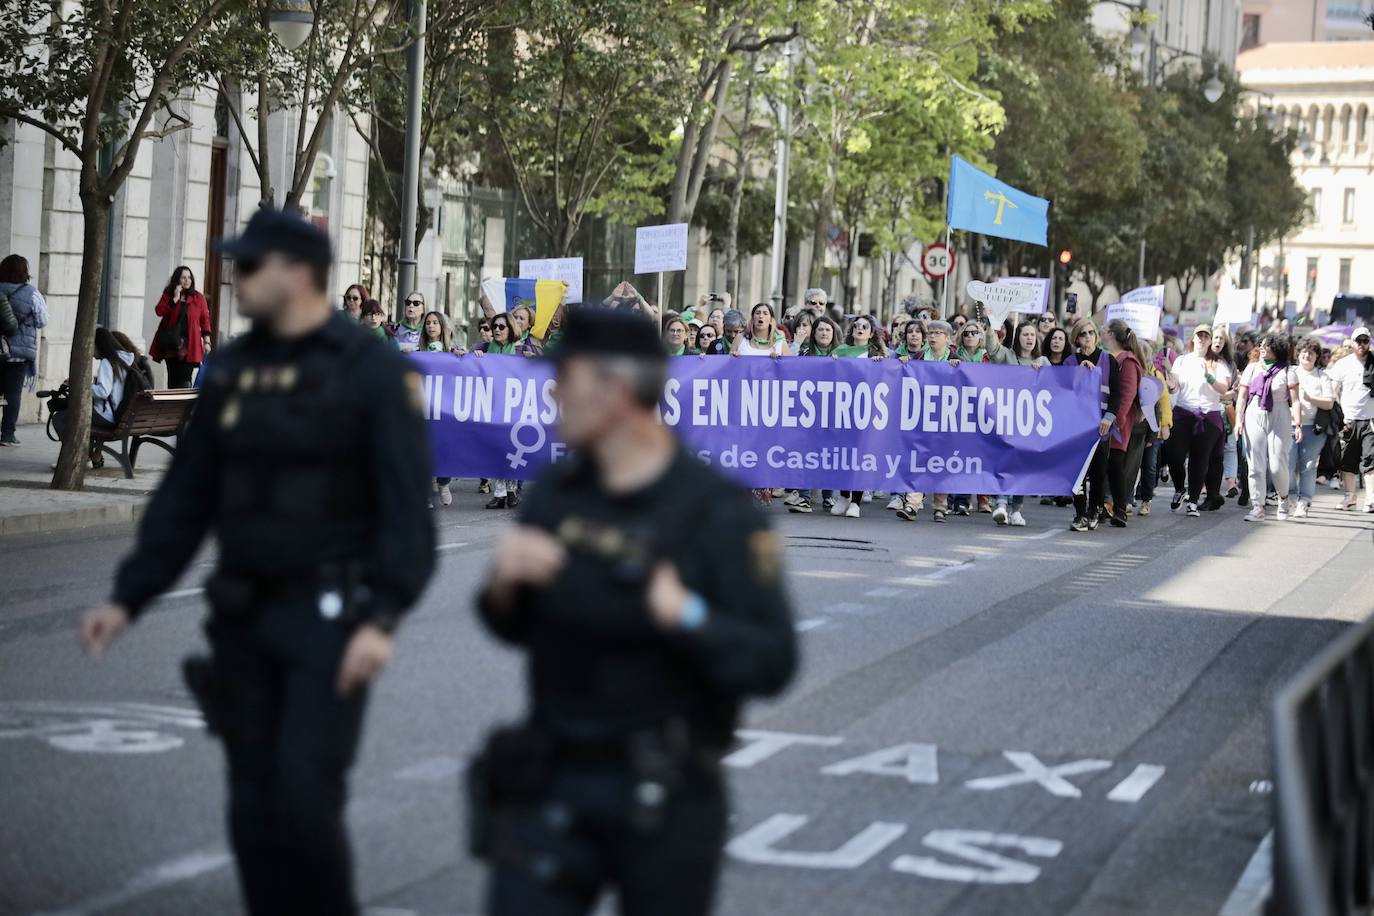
(183, 336)
(1122, 344)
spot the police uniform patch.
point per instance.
(765, 555)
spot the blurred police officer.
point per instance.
(318, 500)
(646, 590)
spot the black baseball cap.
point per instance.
(592, 331)
(285, 232)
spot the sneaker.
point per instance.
(1079, 523)
(1232, 491)
(938, 516)
(837, 507)
(1282, 513)
(1255, 515)
(802, 506)
(793, 497)
(1192, 512)
(895, 502)
(1017, 520)
(1272, 499)
(497, 502)
(828, 503)
(9, 440)
(1300, 510)
(852, 511)
(962, 511)
(1175, 502)
(1093, 522)
(908, 514)
(1047, 501)
(1117, 519)
(1130, 508)
(775, 492)
(483, 486)
(1243, 502)
(1334, 483)
(1369, 509)
(999, 515)
(445, 496)
(1144, 508)
(513, 500)
(868, 497)
(1349, 504)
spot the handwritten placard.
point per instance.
(569, 270)
(660, 248)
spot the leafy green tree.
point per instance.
(100, 78)
(580, 99)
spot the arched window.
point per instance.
(1347, 134)
(1362, 124)
(1328, 124)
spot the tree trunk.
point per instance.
(71, 461)
(824, 210)
(732, 232)
(266, 193)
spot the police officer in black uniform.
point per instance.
(308, 457)
(646, 590)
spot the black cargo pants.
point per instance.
(290, 740)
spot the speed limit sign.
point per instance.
(937, 261)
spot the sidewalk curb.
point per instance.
(66, 519)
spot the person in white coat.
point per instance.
(1264, 410)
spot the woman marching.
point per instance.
(1268, 389)
(1198, 382)
(183, 336)
(823, 340)
(436, 336)
(1315, 395)
(1125, 350)
(762, 338)
(1023, 351)
(1089, 502)
(863, 343)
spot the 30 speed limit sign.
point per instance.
(937, 261)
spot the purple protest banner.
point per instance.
(849, 424)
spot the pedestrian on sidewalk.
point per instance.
(1199, 382)
(1353, 379)
(183, 335)
(1315, 403)
(20, 367)
(1268, 388)
(316, 498)
(1089, 503)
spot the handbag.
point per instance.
(170, 338)
(1328, 420)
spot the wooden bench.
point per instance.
(151, 417)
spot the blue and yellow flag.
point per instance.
(544, 296)
(980, 203)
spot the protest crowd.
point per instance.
(1258, 419)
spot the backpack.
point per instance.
(136, 380)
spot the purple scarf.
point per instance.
(1264, 390)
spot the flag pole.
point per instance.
(952, 267)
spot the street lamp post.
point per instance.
(410, 181)
(784, 154)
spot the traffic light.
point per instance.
(1065, 257)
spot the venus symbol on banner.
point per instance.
(1001, 301)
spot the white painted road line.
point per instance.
(183, 593)
(1255, 884)
(884, 593)
(443, 547)
(1134, 787)
(805, 626)
(174, 871)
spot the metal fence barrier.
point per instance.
(1323, 755)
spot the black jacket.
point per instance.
(295, 471)
(599, 667)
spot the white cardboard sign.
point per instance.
(1000, 300)
(660, 248)
(1141, 317)
(1234, 306)
(569, 270)
(1040, 284)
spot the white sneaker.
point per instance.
(839, 508)
(1017, 521)
(852, 511)
(1282, 513)
(895, 502)
(792, 498)
(999, 515)
(868, 497)
(1256, 514)
(1300, 511)
(445, 496)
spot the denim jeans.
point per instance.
(1303, 461)
(1149, 471)
(1013, 502)
(12, 387)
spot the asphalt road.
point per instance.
(988, 721)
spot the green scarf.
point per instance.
(851, 351)
(501, 349)
(931, 356)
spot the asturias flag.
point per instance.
(980, 203)
(505, 293)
